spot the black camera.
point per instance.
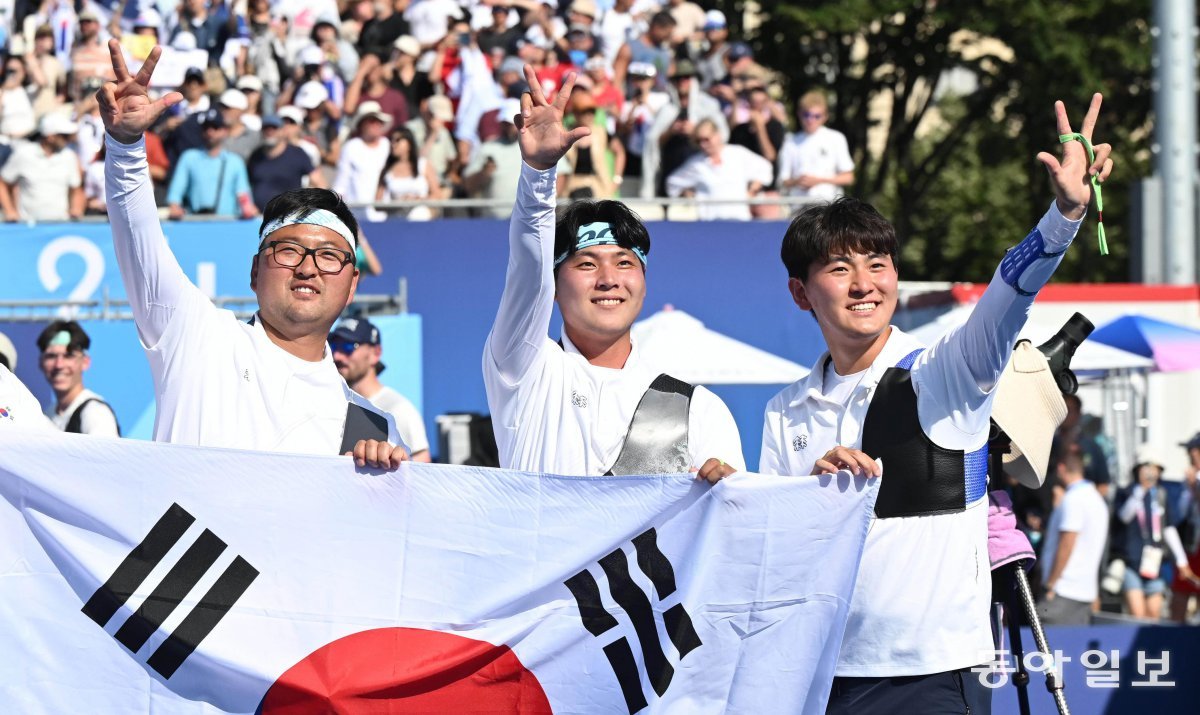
(1061, 348)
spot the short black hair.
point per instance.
(846, 225)
(302, 202)
(79, 339)
(662, 18)
(627, 226)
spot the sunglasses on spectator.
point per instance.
(344, 347)
(813, 115)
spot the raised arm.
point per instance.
(154, 282)
(984, 344)
(528, 298)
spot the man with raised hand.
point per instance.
(588, 404)
(919, 614)
(269, 384)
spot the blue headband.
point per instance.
(597, 234)
(320, 217)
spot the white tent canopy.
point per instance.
(1091, 357)
(678, 344)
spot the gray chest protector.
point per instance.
(657, 441)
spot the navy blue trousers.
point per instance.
(954, 692)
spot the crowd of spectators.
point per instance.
(401, 100)
(1133, 549)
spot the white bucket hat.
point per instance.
(1029, 407)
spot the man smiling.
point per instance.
(269, 384)
(919, 614)
(588, 404)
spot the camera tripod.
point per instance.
(1020, 597)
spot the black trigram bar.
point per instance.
(137, 565)
(636, 603)
(166, 597)
(657, 568)
(599, 621)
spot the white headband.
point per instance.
(319, 217)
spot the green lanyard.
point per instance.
(1064, 138)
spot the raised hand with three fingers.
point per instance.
(540, 132)
(1072, 175)
(125, 105)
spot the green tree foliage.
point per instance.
(962, 92)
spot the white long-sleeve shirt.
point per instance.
(730, 179)
(218, 382)
(553, 411)
(921, 602)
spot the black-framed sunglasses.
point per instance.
(344, 347)
(291, 255)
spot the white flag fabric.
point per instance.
(146, 578)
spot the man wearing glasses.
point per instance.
(815, 161)
(64, 346)
(269, 384)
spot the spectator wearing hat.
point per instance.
(1073, 549)
(592, 167)
(580, 45)
(252, 87)
(720, 171)
(711, 64)
(635, 120)
(371, 84)
(89, 56)
(17, 118)
(319, 127)
(64, 358)
(211, 180)
(1150, 537)
(431, 130)
(1189, 532)
(583, 14)
(278, 165)
(241, 139)
(357, 352)
(363, 157)
(42, 180)
(495, 167)
(669, 140)
(652, 47)
(47, 72)
(815, 161)
(292, 131)
(404, 76)
(195, 92)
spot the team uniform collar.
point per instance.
(570, 349)
(897, 346)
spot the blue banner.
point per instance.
(727, 274)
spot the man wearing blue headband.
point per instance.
(588, 404)
(269, 384)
